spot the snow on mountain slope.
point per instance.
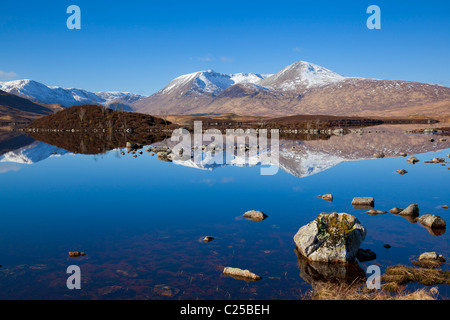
(301, 75)
(38, 92)
(209, 82)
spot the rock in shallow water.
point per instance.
(412, 210)
(432, 221)
(375, 212)
(76, 254)
(363, 202)
(254, 215)
(241, 274)
(413, 160)
(207, 239)
(396, 210)
(429, 260)
(327, 197)
(333, 237)
(431, 256)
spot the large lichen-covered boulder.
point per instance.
(332, 237)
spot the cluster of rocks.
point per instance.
(428, 220)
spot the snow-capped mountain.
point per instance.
(190, 91)
(300, 76)
(38, 92)
(300, 88)
(208, 82)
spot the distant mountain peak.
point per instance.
(208, 82)
(301, 75)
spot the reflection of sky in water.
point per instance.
(149, 214)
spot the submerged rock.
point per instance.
(402, 172)
(332, 237)
(412, 210)
(165, 290)
(432, 221)
(387, 246)
(327, 197)
(241, 274)
(254, 215)
(364, 255)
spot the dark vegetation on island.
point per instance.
(92, 129)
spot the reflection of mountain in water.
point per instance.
(299, 158)
(299, 163)
(32, 153)
(306, 158)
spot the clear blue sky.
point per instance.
(139, 46)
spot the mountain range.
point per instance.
(41, 93)
(300, 88)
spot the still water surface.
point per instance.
(140, 220)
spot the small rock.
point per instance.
(412, 210)
(387, 246)
(432, 221)
(431, 256)
(208, 239)
(402, 171)
(364, 255)
(76, 254)
(363, 202)
(379, 155)
(122, 153)
(254, 215)
(241, 274)
(327, 197)
(429, 260)
(438, 160)
(375, 212)
(413, 160)
(402, 154)
(445, 207)
(396, 210)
